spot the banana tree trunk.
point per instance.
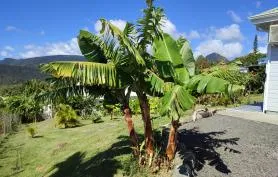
(172, 140)
(145, 111)
(132, 134)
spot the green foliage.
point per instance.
(18, 74)
(230, 73)
(250, 59)
(120, 61)
(135, 106)
(214, 100)
(26, 107)
(111, 105)
(10, 90)
(201, 64)
(153, 101)
(150, 25)
(26, 104)
(101, 74)
(154, 105)
(178, 98)
(2, 103)
(256, 84)
(31, 131)
(83, 105)
(253, 81)
(65, 117)
(176, 101)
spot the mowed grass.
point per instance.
(93, 149)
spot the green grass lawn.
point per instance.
(99, 149)
(252, 98)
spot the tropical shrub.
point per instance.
(256, 84)
(65, 117)
(26, 107)
(31, 131)
(153, 101)
(214, 100)
(250, 59)
(26, 103)
(2, 103)
(8, 122)
(135, 106)
(201, 63)
(154, 105)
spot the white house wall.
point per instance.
(272, 74)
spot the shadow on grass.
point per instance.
(197, 149)
(97, 120)
(103, 164)
(116, 119)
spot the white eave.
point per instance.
(265, 19)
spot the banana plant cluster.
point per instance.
(118, 61)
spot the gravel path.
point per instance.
(229, 146)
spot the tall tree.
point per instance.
(255, 44)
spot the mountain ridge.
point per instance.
(36, 61)
(216, 58)
(15, 71)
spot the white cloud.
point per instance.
(229, 33)
(29, 46)
(11, 28)
(235, 17)
(6, 51)
(258, 4)
(167, 27)
(60, 48)
(263, 38)
(170, 28)
(226, 41)
(262, 49)
(119, 23)
(3, 53)
(193, 35)
(229, 50)
(97, 26)
(9, 48)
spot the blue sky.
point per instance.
(30, 28)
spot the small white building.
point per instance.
(268, 21)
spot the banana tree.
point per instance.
(119, 61)
(179, 77)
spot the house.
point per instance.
(268, 22)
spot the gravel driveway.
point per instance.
(229, 146)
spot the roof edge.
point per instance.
(265, 14)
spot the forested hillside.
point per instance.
(14, 71)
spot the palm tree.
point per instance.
(119, 62)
